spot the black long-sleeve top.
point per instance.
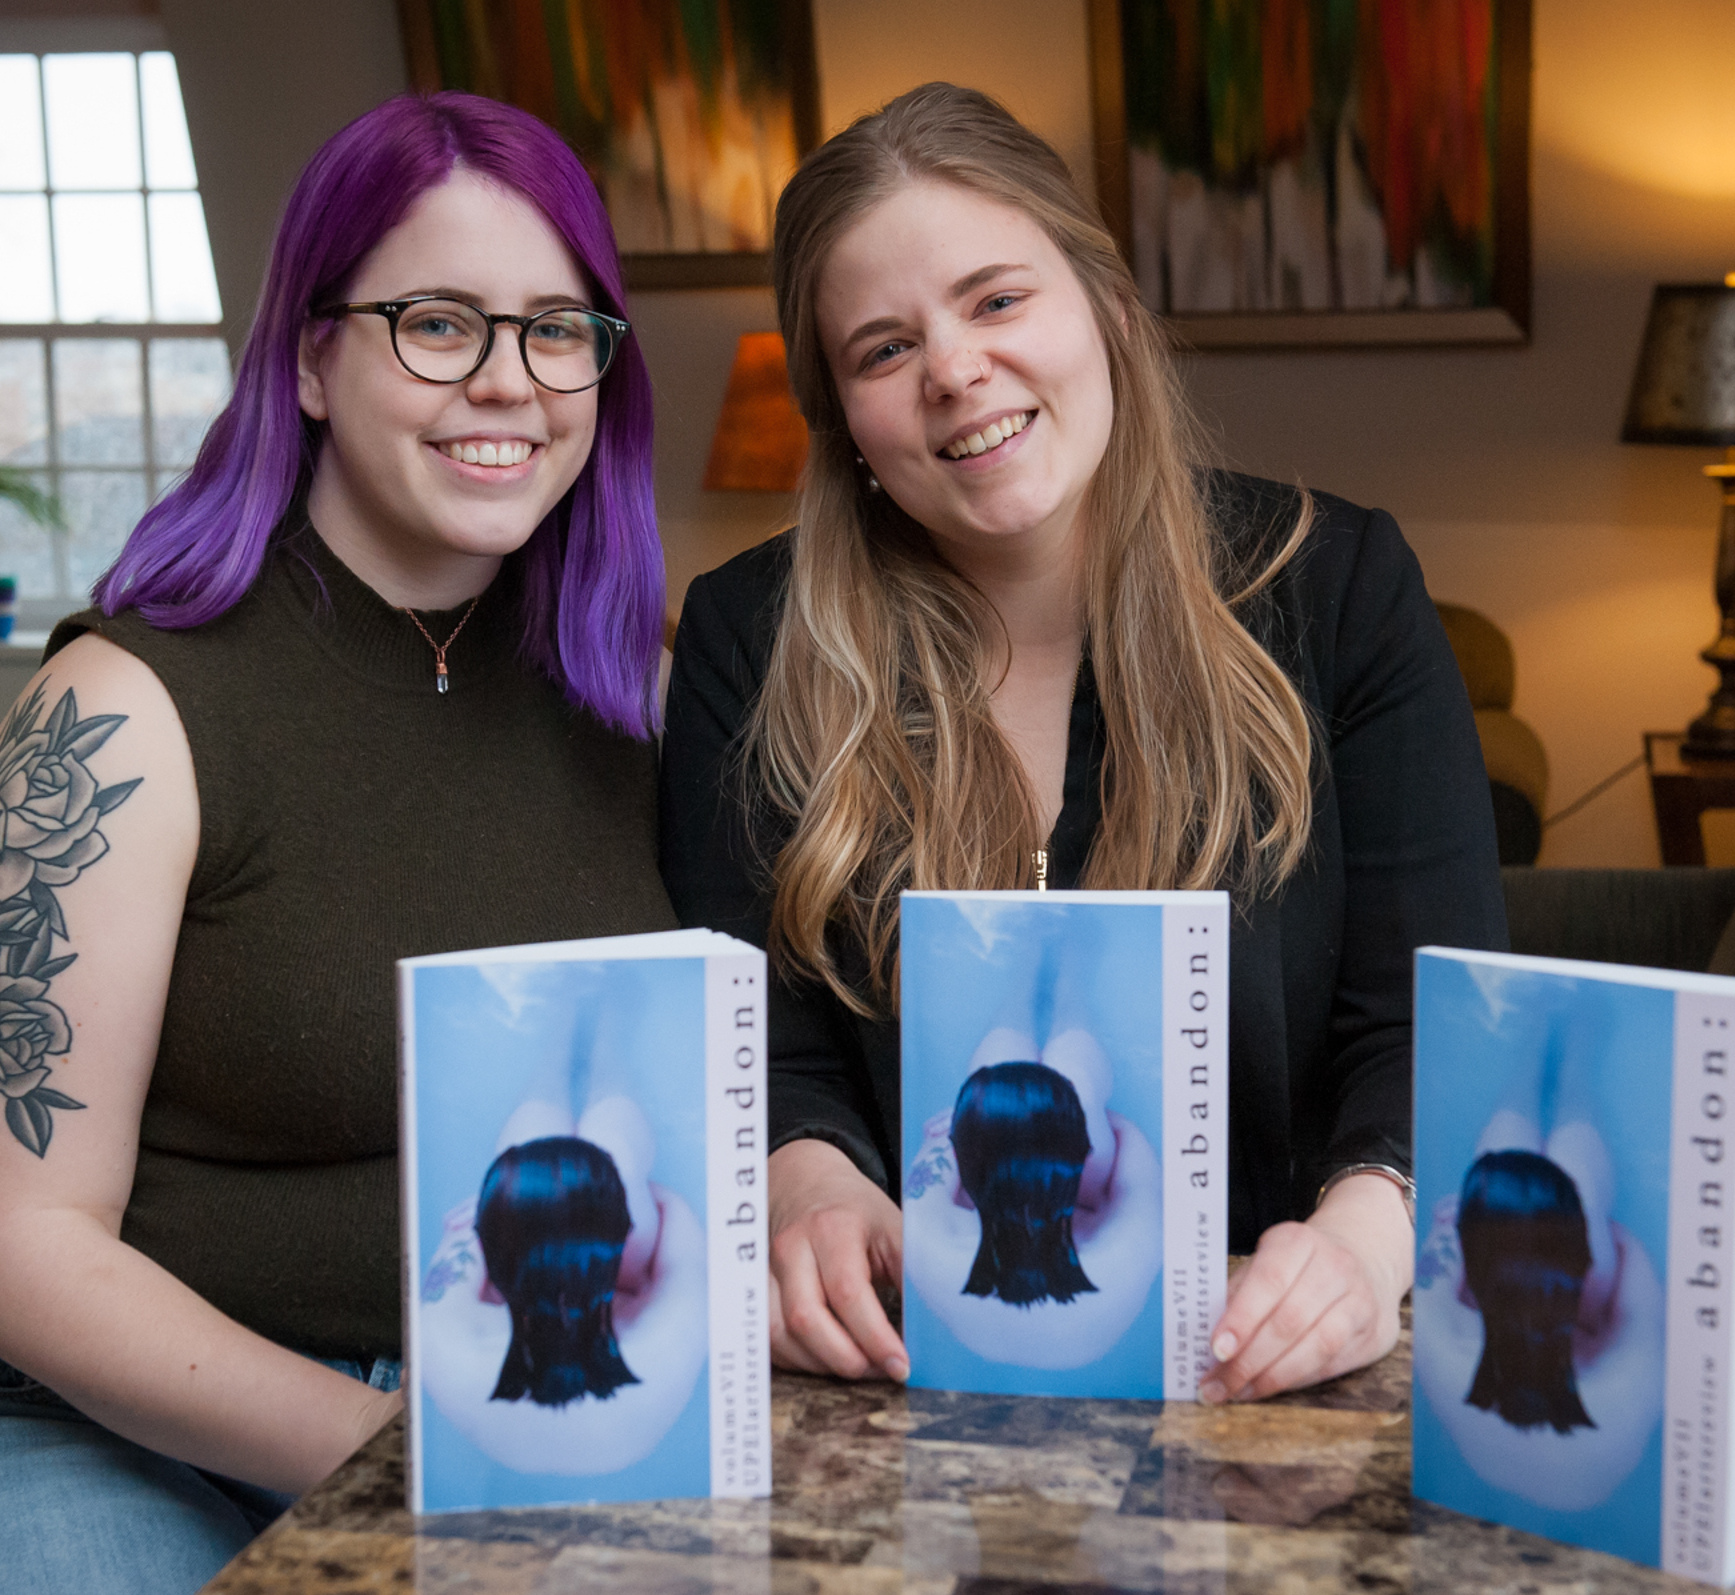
(1401, 855)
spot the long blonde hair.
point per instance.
(873, 735)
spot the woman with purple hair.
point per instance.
(377, 679)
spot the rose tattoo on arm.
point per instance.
(51, 808)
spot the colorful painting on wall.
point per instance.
(690, 114)
(1320, 171)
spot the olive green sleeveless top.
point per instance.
(350, 816)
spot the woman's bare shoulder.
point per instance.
(93, 660)
(118, 688)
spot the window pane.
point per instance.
(27, 549)
(99, 257)
(189, 382)
(21, 164)
(93, 120)
(168, 150)
(183, 280)
(99, 401)
(26, 284)
(23, 402)
(102, 507)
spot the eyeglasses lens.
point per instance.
(568, 350)
(442, 340)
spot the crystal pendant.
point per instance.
(441, 682)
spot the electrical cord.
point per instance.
(1595, 792)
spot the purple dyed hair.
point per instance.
(592, 572)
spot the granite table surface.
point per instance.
(880, 1489)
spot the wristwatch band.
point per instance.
(1406, 1186)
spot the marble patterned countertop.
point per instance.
(880, 1490)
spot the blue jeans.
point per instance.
(88, 1511)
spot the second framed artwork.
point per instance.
(1318, 172)
(690, 114)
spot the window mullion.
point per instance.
(109, 329)
(145, 417)
(57, 535)
(144, 189)
(48, 191)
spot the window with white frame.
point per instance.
(110, 365)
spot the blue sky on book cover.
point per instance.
(999, 985)
(489, 1036)
(1513, 1066)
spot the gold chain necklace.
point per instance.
(441, 681)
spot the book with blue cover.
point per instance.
(1572, 1300)
(583, 1184)
(1065, 1139)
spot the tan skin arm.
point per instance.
(116, 1335)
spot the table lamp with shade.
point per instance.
(760, 443)
(1684, 392)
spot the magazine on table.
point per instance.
(1065, 1153)
(583, 1184)
(1573, 1336)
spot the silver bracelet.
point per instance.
(1406, 1186)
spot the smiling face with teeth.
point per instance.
(971, 370)
(423, 488)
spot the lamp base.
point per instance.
(1712, 735)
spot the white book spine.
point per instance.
(735, 1195)
(1697, 1389)
(408, 1247)
(1195, 1151)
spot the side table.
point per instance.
(1682, 789)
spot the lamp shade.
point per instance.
(1684, 387)
(760, 443)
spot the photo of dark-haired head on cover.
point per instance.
(1539, 1348)
(1033, 1104)
(552, 1221)
(1019, 1137)
(562, 1308)
(1525, 1244)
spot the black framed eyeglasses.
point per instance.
(436, 339)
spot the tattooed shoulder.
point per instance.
(51, 813)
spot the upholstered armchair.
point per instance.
(1517, 766)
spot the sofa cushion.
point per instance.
(1663, 918)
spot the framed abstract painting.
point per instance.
(690, 114)
(1319, 172)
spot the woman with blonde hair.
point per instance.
(1023, 635)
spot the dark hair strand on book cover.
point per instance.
(552, 1220)
(1526, 1253)
(1019, 1133)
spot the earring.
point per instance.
(873, 482)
